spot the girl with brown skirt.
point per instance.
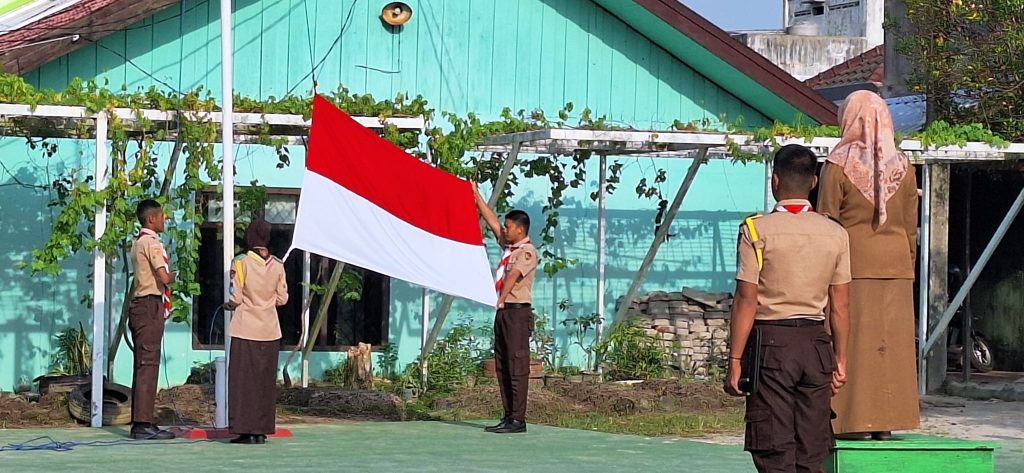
(871, 189)
(258, 288)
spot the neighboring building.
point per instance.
(867, 72)
(645, 63)
(819, 34)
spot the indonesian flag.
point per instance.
(368, 203)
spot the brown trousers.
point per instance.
(252, 386)
(146, 322)
(512, 330)
(788, 420)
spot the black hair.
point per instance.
(521, 218)
(145, 208)
(795, 165)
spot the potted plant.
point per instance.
(71, 362)
(580, 336)
(571, 374)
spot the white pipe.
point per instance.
(424, 334)
(307, 266)
(99, 273)
(228, 180)
(924, 244)
(220, 390)
(601, 241)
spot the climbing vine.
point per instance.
(142, 167)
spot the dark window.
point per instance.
(347, 322)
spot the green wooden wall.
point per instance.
(479, 55)
(462, 55)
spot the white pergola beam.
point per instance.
(244, 119)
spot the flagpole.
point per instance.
(228, 180)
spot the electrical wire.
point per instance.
(344, 27)
(49, 444)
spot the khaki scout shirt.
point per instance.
(804, 254)
(257, 291)
(524, 258)
(148, 257)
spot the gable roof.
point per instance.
(679, 30)
(49, 36)
(866, 68)
(727, 62)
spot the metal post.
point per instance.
(424, 334)
(228, 180)
(446, 302)
(99, 273)
(924, 237)
(601, 243)
(307, 266)
(967, 341)
(659, 236)
(769, 197)
(972, 276)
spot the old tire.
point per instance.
(117, 404)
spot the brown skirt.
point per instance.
(252, 394)
(881, 390)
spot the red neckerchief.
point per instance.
(794, 208)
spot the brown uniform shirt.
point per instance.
(804, 254)
(524, 258)
(257, 292)
(886, 252)
(148, 257)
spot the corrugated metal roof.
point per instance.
(909, 113)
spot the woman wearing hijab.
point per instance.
(870, 188)
(258, 287)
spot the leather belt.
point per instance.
(791, 323)
(517, 305)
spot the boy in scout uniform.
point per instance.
(793, 268)
(513, 323)
(149, 309)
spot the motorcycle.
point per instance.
(981, 358)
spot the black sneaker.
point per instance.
(494, 428)
(150, 432)
(247, 439)
(512, 427)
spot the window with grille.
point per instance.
(347, 323)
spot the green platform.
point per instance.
(913, 454)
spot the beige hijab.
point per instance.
(867, 151)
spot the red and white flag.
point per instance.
(366, 202)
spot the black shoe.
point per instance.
(881, 436)
(494, 428)
(512, 427)
(247, 439)
(261, 439)
(150, 432)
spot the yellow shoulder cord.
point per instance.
(753, 238)
(240, 273)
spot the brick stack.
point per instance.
(695, 323)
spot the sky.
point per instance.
(733, 15)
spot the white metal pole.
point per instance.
(228, 180)
(601, 241)
(924, 239)
(307, 265)
(99, 273)
(424, 334)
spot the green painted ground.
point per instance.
(402, 447)
(386, 447)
